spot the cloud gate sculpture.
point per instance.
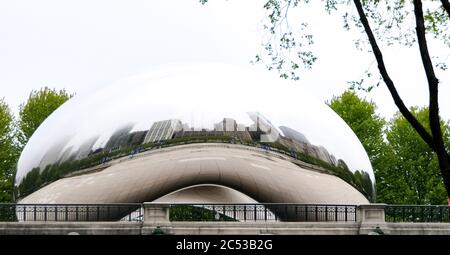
(198, 133)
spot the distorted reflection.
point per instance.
(63, 157)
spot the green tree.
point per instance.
(406, 169)
(381, 21)
(8, 153)
(360, 115)
(413, 176)
(40, 104)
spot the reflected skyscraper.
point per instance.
(162, 130)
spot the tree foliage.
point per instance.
(14, 134)
(361, 117)
(8, 152)
(40, 104)
(405, 167)
(287, 47)
(388, 22)
(413, 176)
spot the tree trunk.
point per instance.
(444, 165)
(446, 6)
(388, 81)
(434, 140)
(433, 83)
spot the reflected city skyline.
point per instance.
(192, 104)
(124, 142)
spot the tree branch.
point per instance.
(446, 5)
(433, 82)
(423, 46)
(388, 81)
(431, 76)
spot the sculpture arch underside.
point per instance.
(239, 174)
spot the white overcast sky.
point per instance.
(85, 45)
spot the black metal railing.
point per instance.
(218, 212)
(417, 213)
(262, 212)
(71, 212)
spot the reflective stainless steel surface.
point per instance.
(190, 104)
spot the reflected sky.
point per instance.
(200, 96)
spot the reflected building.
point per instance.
(226, 125)
(137, 138)
(86, 148)
(294, 135)
(262, 128)
(324, 155)
(67, 155)
(267, 156)
(52, 153)
(162, 130)
(119, 138)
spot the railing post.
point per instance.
(156, 218)
(224, 211)
(430, 217)
(286, 211)
(306, 213)
(245, 212)
(317, 213)
(336, 208)
(372, 213)
(156, 213)
(265, 213)
(448, 213)
(403, 214)
(371, 218)
(346, 212)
